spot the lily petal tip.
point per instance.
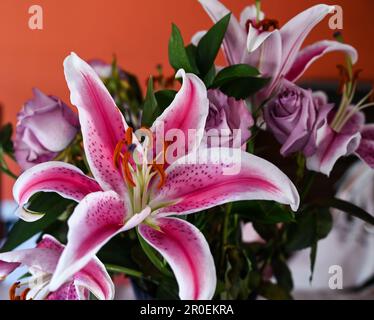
(180, 74)
(28, 216)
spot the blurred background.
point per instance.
(137, 32)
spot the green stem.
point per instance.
(225, 232)
(258, 10)
(127, 271)
(9, 173)
(308, 186)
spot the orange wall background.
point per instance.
(137, 32)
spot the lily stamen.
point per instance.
(160, 170)
(117, 152)
(126, 169)
(12, 291)
(268, 24)
(128, 136)
(263, 25)
(24, 294)
(347, 87)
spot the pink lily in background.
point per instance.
(353, 137)
(124, 195)
(345, 132)
(275, 51)
(41, 263)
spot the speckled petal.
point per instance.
(96, 279)
(220, 177)
(68, 291)
(102, 123)
(53, 176)
(188, 111)
(187, 252)
(97, 218)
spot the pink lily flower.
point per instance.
(41, 263)
(365, 150)
(275, 51)
(354, 137)
(146, 195)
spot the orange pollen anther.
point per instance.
(268, 24)
(117, 152)
(12, 291)
(24, 294)
(126, 169)
(128, 136)
(160, 170)
(263, 25)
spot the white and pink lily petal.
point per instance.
(332, 145)
(365, 150)
(54, 176)
(187, 189)
(186, 250)
(235, 39)
(293, 61)
(127, 196)
(274, 50)
(214, 176)
(41, 263)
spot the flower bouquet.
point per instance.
(172, 189)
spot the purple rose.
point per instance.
(45, 127)
(294, 116)
(228, 118)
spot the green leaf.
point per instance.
(347, 207)
(6, 133)
(239, 81)
(237, 274)
(178, 56)
(264, 212)
(210, 44)
(282, 274)
(164, 98)
(51, 204)
(310, 227)
(266, 231)
(313, 256)
(209, 77)
(127, 271)
(155, 104)
(191, 51)
(150, 105)
(272, 291)
(153, 257)
(6, 138)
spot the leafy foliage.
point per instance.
(239, 81)
(52, 205)
(6, 143)
(178, 56)
(209, 45)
